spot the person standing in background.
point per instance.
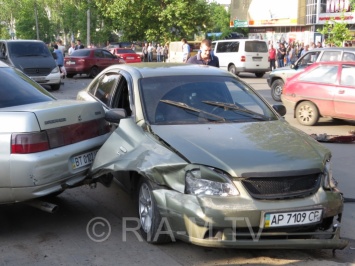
(272, 57)
(281, 51)
(72, 48)
(158, 50)
(185, 50)
(79, 45)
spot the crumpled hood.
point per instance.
(244, 148)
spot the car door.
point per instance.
(319, 86)
(109, 58)
(344, 96)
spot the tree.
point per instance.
(335, 33)
(156, 20)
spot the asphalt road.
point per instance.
(97, 226)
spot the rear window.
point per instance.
(256, 46)
(125, 51)
(227, 47)
(17, 89)
(81, 52)
(21, 49)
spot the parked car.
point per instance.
(47, 145)
(278, 76)
(242, 55)
(211, 162)
(325, 89)
(33, 58)
(89, 61)
(128, 55)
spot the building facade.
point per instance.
(288, 20)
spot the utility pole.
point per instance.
(36, 16)
(88, 39)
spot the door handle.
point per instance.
(341, 91)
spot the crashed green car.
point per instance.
(211, 162)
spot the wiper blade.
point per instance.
(190, 108)
(232, 106)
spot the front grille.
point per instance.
(282, 187)
(37, 71)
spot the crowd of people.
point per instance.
(285, 54)
(149, 49)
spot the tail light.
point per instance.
(23, 143)
(242, 58)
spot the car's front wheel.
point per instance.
(307, 113)
(70, 75)
(55, 87)
(276, 89)
(152, 227)
(94, 72)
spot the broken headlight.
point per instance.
(197, 185)
(329, 181)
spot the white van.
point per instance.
(242, 55)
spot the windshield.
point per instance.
(201, 99)
(23, 49)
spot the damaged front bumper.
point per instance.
(221, 222)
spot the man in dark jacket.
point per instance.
(205, 55)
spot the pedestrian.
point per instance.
(61, 47)
(79, 45)
(60, 61)
(145, 52)
(281, 51)
(272, 57)
(185, 50)
(205, 55)
(165, 52)
(158, 50)
(306, 49)
(150, 52)
(72, 48)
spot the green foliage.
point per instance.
(336, 32)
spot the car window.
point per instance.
(256, 46)
(105, 88)
(107, 54)
(321, 74)
(18, 89)
(121, 98)
(227, 47)
(81, 52)
(201, 99)
(98, 54)
(330, 56)
(347, 75)
(348, 56)
(125, 51)
(308, 59)
(28, 49)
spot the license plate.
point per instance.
(70, 63)
(257, 58)
(83, 159)
(292, 218)
(130, 57)
(37, 79)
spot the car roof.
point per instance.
(13, 41)
(147, 70)
(334, 63)
(333, 49)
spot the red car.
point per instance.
(89, 61)
(324, 89)
(128, 55)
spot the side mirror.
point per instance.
(115, 115)
(280, 109)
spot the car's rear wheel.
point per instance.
(152, 227)
(94, 72)
(55, 87)
(232, 69)
(307, 113)
(259, 74)
(70, 75)
(276, 89)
